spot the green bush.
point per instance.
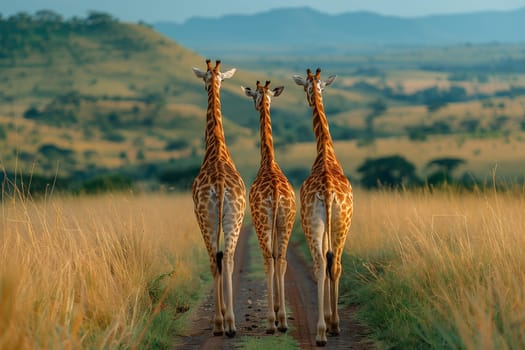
(181, 179)
(3, 133)
(106, 183)
(389, 171)
(176, 145)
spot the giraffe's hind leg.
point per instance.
(229, 316)
(314, 234)
(218, 320)
(333, 323)
(269, 270)
(282, 323)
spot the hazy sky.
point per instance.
(180, 10)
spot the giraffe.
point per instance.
(219, 197)
(326, 209)
(272, 206)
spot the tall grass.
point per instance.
(96, 272)
(439, 270)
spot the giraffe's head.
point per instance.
(213, 76)
(313, 84)
(262, 93)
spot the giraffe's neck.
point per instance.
(325, 146)
(215, 142)
(267, 151)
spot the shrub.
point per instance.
(51, 151)
(3, 133)
(32, 113)
(106, 183)
(181, 179)
(114, 136)
(389, 171)
(176, 145)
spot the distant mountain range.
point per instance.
(300, 29)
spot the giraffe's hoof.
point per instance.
(270, 331)
(334, 332)
(230, 334)
(218, 333)
(282, 329)
(320, 342)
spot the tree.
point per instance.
(48, 16)
(378, 107)
(96, 18)
(444, 168)
(106, 183)
(433, 106)
(389, 171)
(32, 113)
(447, 164)
(179, 178)
(3, 133)
(469, 125)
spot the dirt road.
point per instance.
(250, 307)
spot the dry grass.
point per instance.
(93, 272)
(442, 270)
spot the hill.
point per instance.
(84, 96)
(100, 103)
(296, 30)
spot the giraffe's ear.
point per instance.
(328, 81)
(198, 72)
(299, 80)
(228, 74)
(277, 91)
(248, 92)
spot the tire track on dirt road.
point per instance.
(250, 306)
(301, 296)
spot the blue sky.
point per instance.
(180, 10)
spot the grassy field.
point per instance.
(439, 270)
(483, 155)
(428, 270)
(98, 272)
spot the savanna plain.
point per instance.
(439, 270)
(101, 128)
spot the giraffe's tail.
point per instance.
(329, 263)
(220, 209)
(274, 222)
(219, 261)
(329, 253)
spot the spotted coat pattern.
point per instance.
(219, 197)
(272, 206)
(326, 210)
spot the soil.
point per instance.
(250, 308)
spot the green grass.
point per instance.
(438, 271)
